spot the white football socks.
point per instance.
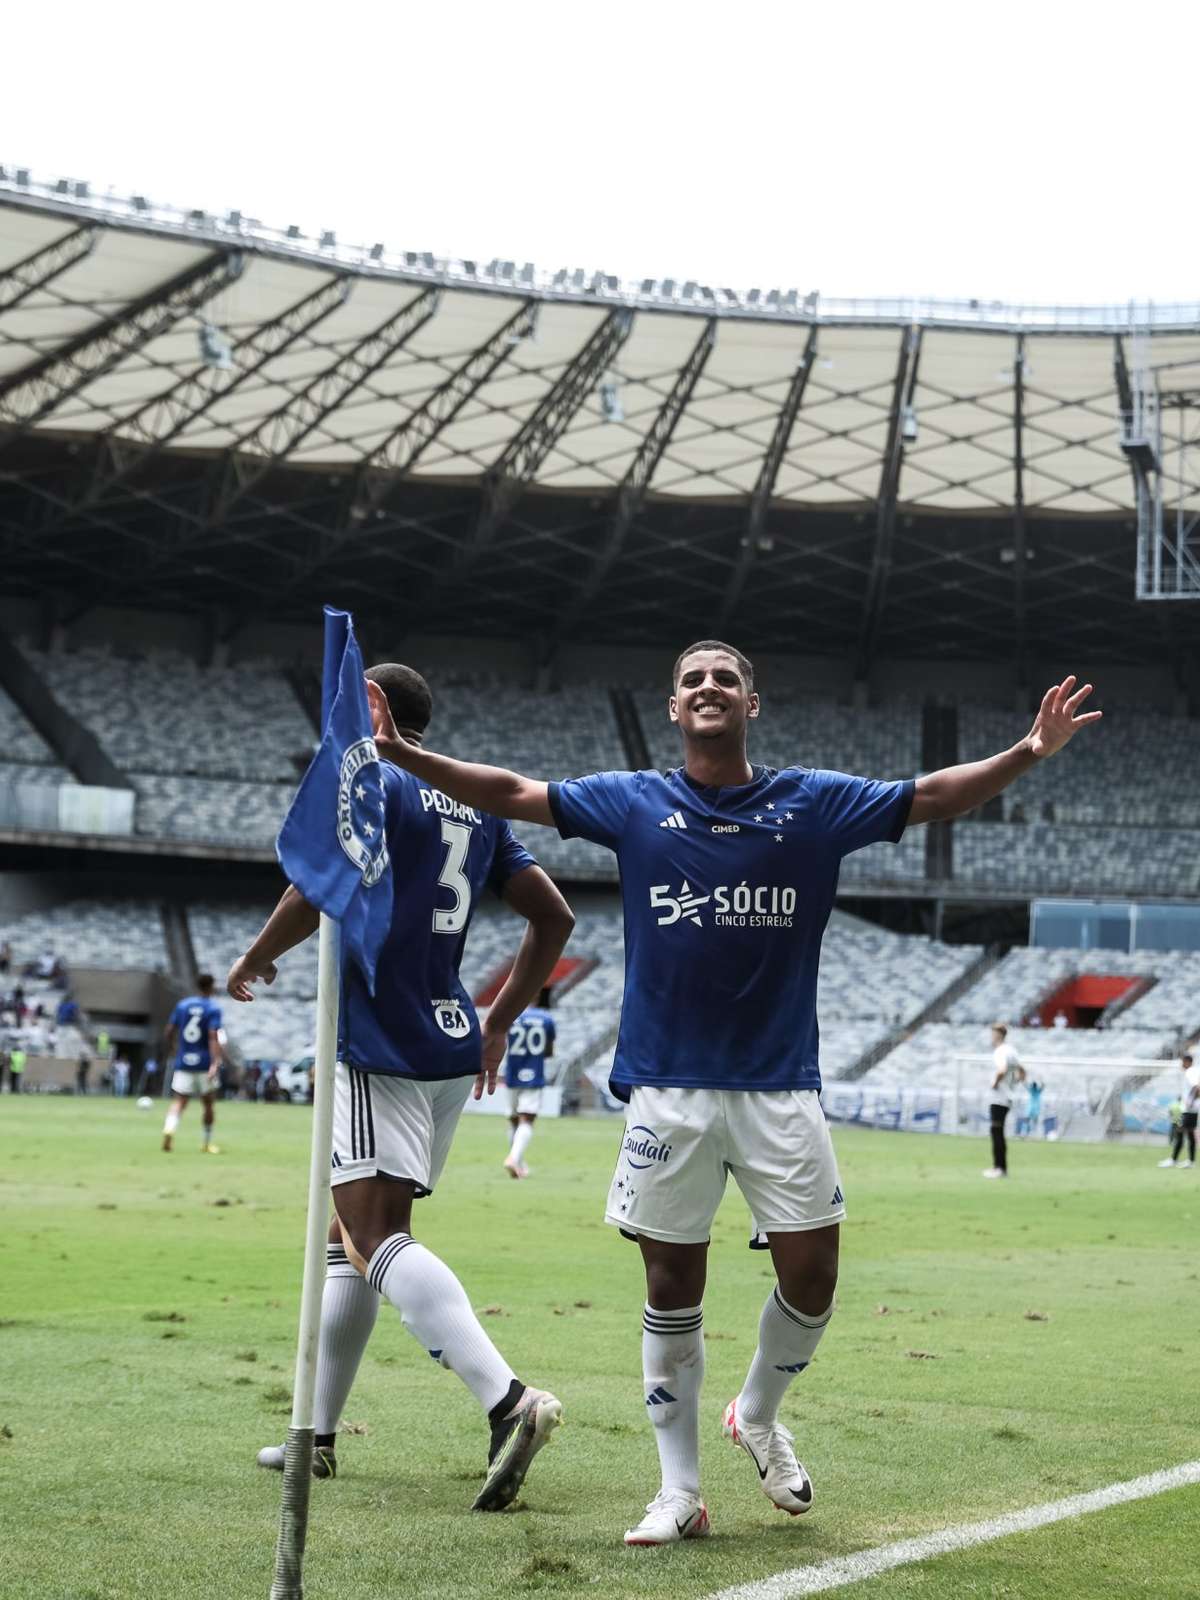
(787, 1339)
(349, 1307)
(520, 1142)
(673, 1370)
(434, 1308)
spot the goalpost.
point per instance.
(1083, 1097)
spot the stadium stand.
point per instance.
(91, 933)
(1157, 785)
(927, 1059)
(1049, 858)
(25, 757)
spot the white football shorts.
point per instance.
(679, 1145)
(393, 1127)
(192, 1083)
(524, 1102)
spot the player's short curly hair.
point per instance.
(743, 662)
(408, 696)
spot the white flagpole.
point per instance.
(288, 1583)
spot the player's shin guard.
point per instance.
(673, 1371)
(434, 1308)
(787, 1339)
(349, 1307)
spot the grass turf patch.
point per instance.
(995, 1346)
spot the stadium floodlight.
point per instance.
(328, 239)
(527, 272)
(62, 187)
(292, 231)
(81, 190)
(611, 408)
(140, 203)
(909, 427)
(376, 252)
(22, 177)
(215, 349)
(648, 286)
(234, 219)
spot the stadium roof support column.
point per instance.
(379, 473)
(885, 515)
(161, 420)
(1020, 551)
(631, 495)
(764, 488)
(26, 277)
(513, 472)
(32, 393)
(255, 453)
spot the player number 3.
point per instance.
(456, 836)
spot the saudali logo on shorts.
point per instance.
(360, 811)
(451, 1018)
(643, 1147)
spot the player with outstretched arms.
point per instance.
(407, 1056)
(728, 874)
(195, 1026)
(530, 1046)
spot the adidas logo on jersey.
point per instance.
(675, 820)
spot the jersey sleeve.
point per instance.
(508, 858)
(862, 811)
(595, 807)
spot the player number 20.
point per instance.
(456, 836)
(528, 1039)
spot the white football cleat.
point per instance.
(1169, 1162)
(513, 1168)
(515, 1442)
(672, 1515)
(994, 1172)
(769, 1445)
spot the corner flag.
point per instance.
(332, 845)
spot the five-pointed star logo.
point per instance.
(778, 838)
(758, 816)
(770, 805)
(787, 816)
(369, 829)
(359, 792)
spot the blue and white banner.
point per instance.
(332, 845)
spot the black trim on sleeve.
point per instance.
(564, 828)
(910, 785)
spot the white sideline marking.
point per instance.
(870, 1563)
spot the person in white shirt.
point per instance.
(1007, 1074)
(1185, 1128)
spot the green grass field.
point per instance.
(995, 1346)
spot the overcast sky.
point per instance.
(1029, 153)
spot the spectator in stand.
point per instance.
(16, 1069)
(5, 956)
(47, 965)
(82, 1068)
(1061, 1020)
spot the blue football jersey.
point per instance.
(195, 1018)
(420, 1022)
(726, 895)
(528, 1040)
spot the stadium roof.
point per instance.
(199, 368)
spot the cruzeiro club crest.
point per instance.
(360, 811)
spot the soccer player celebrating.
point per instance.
(728, 875)
(406, 1057)
(195, 1024)
(530, 1046)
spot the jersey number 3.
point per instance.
(456, 836)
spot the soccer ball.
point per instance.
(145, 1103)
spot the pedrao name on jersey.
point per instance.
(434, 799)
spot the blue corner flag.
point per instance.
(332, 844)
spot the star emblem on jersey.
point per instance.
(770, 805)
(673, 907)
(360, 785)
(758, 816)
(778, 838)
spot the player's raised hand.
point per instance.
(494, 1046)
(1059, 717)
(244, 973)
